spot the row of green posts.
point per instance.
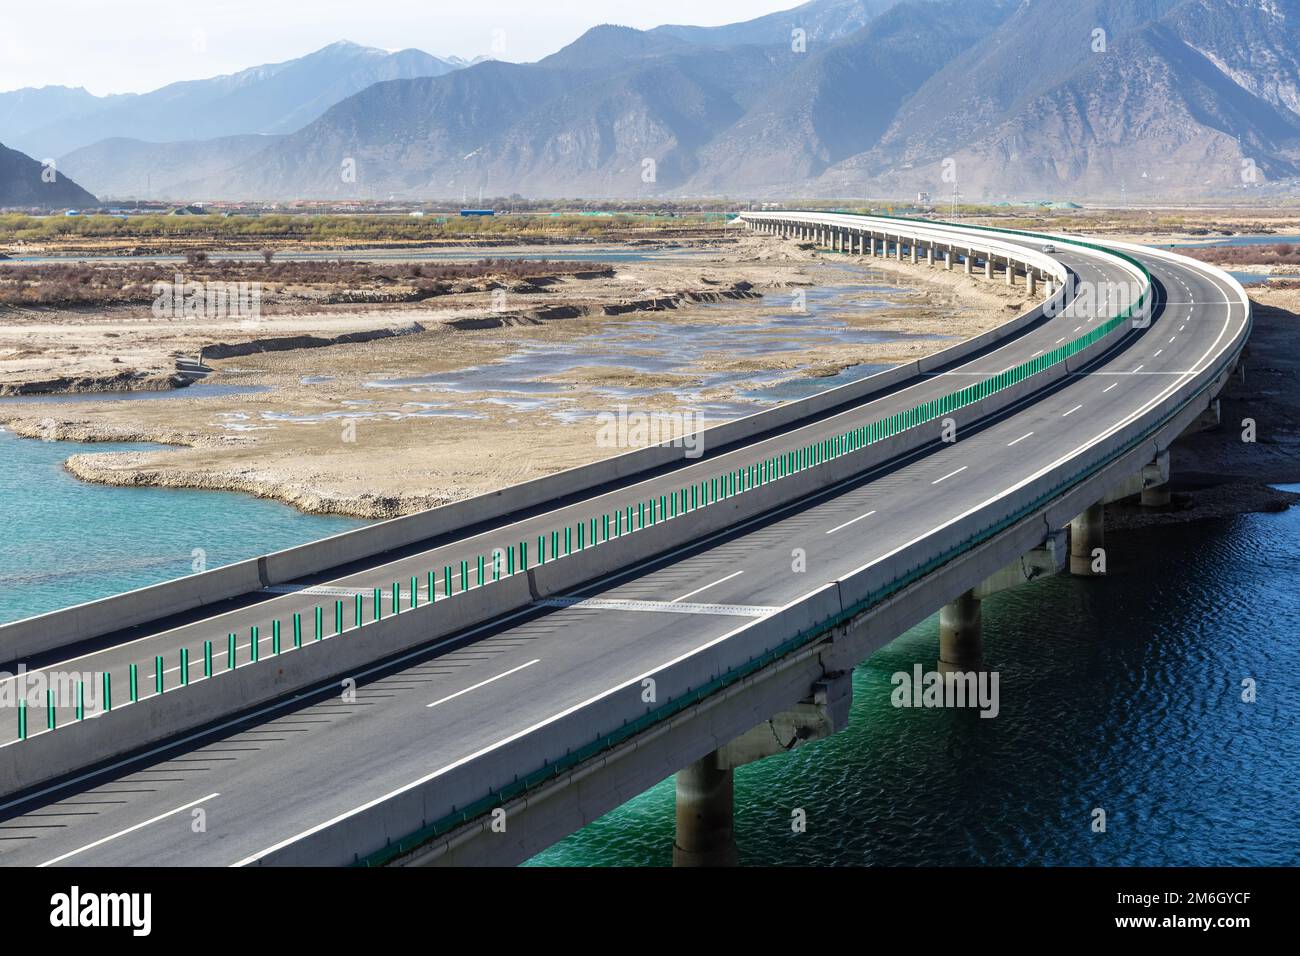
(597, 530)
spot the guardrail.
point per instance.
(846, 613)
(56, 629)
(854, 451)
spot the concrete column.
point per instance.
(1156, 497)
(1029, 281)
(898, 246)
(948, 256)
(1086, 533)
(871, 244)
(705, 829)
(988, 266)
(969, 263)
(1011, 272)
(929, 254)
(911, 245)
(959, 634)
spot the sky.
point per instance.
(132, 46)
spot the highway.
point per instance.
(273, 777)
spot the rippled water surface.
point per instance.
(1122, 694)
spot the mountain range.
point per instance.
(26, 183)
(262, 100)
(983, 99)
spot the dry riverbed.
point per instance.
(479, 392)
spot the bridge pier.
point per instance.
(988, 266)
(1155, 482)
(705, 789)
(1029, 281)
(968, 259)
(960, 624)
(1087, 532)
(947, 258)
(1011, 272)
(706, 834)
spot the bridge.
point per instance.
(470, 684)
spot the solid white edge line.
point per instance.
(1019, 440)
(433, 775)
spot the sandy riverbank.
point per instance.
(480, 398)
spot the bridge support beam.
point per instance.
(1087, 534)
(960, 645)
(705, 789)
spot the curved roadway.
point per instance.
(270, 778)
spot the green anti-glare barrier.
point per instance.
(253, 642)
(158, 674)
(81, 700)
(107, 679)
(275, 637)
(22, 718)
(51, 721)
(185, 666)
(297, 630)
(133, 681)
(709, 490)
(207, 658)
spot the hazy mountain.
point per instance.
(22, 111)
(23, 184)
(989, 98)
(581, 122)
(133, 169)
(840, 100)
(822, 21)
(269, 99)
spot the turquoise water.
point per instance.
(1122, 694)
(66, 541)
